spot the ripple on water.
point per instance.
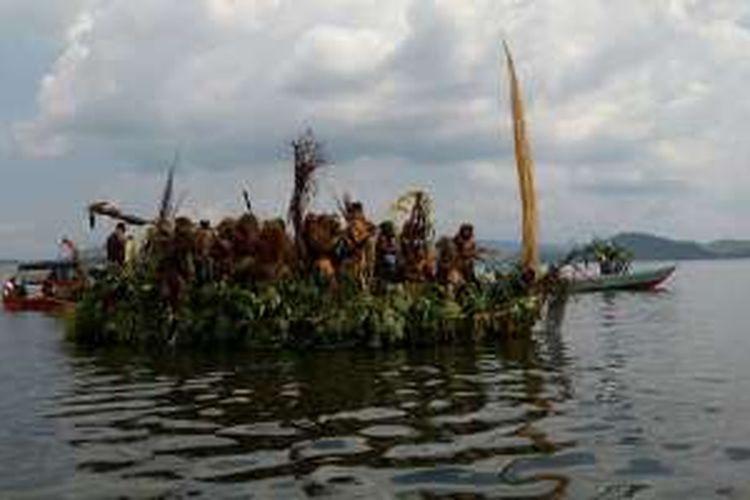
(426, 369)
(330, 447)
(409, 405)
(439, 405)
(202, 398)
(493, 441)
(472, 481)
(99, 408)
(95, 486)
(86, 399)
(466, 394)
(135, 388)
(620, 491)
(167, 424)
(190, 443)
(201, 383)
(389, 431)
(235, 400)
(591, 428)
(224, 467)
(421, 423)
(112, 418)
(675, 446)
(521, 469)
(435, 382)
(645, 467)
(737, 453)
(93, 435)
(159, 467)
(101, 458)
(491, 413)
(259, 429)
(92, 381)
(365, 415)
(211, 412)
(407, 392)
(342, 482)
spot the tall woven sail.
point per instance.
(525, 165)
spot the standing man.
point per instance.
(466, 249)
(116, 245)
(386, 253)
(205, 239)
(358, 236)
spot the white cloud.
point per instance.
(635, 107)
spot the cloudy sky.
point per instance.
(638, 109)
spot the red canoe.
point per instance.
(45, 286)
(38, 304)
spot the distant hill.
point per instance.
(644, 246)
(510, 249)
(730, 248)
(650, 247)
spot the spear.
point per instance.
(166, 204)
(248, 204)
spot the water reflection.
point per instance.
(618, 396)
(335, 424)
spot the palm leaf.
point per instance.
(525, 167)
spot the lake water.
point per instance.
(633, 396)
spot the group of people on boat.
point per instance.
(334, 247)
(120, 246)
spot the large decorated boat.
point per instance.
(331, 279)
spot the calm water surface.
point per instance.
(633, 396)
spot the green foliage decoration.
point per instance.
(130, 307)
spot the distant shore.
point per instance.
(647, 247)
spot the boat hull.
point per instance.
(644, 280)
(36, 304)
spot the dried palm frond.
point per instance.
(525, 166)
(308, 159)
(417, 207)
(166, 204)
(343, 204)
(107, 209)
(248, 204)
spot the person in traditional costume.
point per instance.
(205, 237)
(466, 251)
(358, 238)
(321, 236)
(386, 254)
(448, 265)
(116, 245)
